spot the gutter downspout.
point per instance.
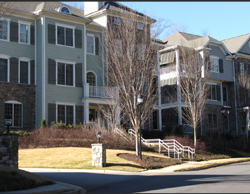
(235, 101)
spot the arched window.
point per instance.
(91, 79)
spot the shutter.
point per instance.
(221, 65)
(32, 72)
(51, 112)
(96, 45)
(32, 35)
(2, 113)
(14, 31)
(52, 71)
(13, 70)
(218, 92)
(27, 114)
(78, 38)
(79, 114)
(78, 76)
(238, 67)
(51, 33)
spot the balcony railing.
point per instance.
(100, 92)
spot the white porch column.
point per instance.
(86, 90)
(177, 52)
(159, 93)
(86, 111)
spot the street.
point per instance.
(233, 178)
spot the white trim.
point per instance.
(19, 28)
(93, 36)
(8, 30)
(66, 104)
(65, 20)
(68, 63)
(24, 59)
(43, 67)
(4, 56)
(12, 102)
(73, 34)
(90, 71)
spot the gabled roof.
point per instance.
(235, 44)
(33, 6)
(117, 7)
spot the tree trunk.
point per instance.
(137, 143)
(195, 137)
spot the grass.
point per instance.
(77, 158)
(16, 179)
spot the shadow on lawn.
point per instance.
(122, 164)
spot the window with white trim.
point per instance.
(65, 35)
(91, 79)
(118, 47)
(141, 51)
(90, 44)
(65, 74)
(24, 72)
(117, 21)
(3, 70)
(215, 92)
(140, 25)
(242, 69)
(24, 32)
(65, 113)
(4, 30)
(214, 64)
(14, 110)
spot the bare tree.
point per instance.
(205, 32)
(131, 62)
(193, 90)
(177, 28)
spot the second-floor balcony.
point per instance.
(100, 92)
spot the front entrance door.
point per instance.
(92, 115)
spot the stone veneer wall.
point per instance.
(9, 150)
(98, 155)
(22, 93)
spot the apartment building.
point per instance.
(51, 62)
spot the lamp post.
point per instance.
(99, 135)
(139, 103)
(223, 112)
(8, 123)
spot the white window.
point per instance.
(24, 32)
(24, 71)
(90, 44)
(65, 113)
(65, 73)
(118, 47)
(65, 35)
(91, 79)
(4, 29)
(129, 23)
(65, 9)
(140, 25)
(117, 21)
(141, 51)
(214, 64)
(15, 111)
(242, 69)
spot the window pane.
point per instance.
(3, 70)
(70, 115)
(17, 115)
(213, 96)
(61, 73)
(8, 110)
(60, 35)
(61, 113)
(90, 44)
(3, 30)
(91, 79)
(69, 75)
(24, 72)
(24, 30)
(69, 37)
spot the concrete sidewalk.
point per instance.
(68, 188)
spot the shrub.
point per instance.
(19, 132)
(43, 124)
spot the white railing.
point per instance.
(171, 145)
(121, 133)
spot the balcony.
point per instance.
(100, 92)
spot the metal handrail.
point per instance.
(169, 145)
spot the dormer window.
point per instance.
(65, 9)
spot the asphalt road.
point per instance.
(233, 178)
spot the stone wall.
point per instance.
(22, 93)
(9, 150)
(98, 155)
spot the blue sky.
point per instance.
(221, 20)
